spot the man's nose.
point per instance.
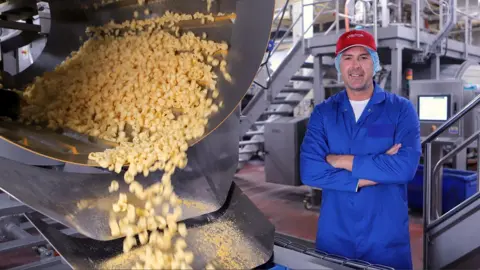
(356, 63)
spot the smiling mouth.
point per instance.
(356, 75)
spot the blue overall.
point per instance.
(369, 223)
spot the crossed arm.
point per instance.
(321, 169)
(346, 162)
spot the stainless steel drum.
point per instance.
(77, 195)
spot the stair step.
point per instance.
(287, 102)
(278, 113)
(242, 143)
(302, 78)
(295, 90)
(254, 132)
(247, 151)
(307, 65)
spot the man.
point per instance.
(361, 148)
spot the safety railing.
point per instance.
(433, 214)
(304, 30)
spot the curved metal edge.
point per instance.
(79, 197)
(253, 228)
(245, 10)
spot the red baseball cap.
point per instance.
(355, 38)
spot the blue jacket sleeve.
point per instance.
(315, 171)
(398, 168)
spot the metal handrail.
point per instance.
(427, 146)
(452, 153)
(300, 16)
(427, 174)
(463, 145)
(438, 166)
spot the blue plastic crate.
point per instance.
(278, 267)
(457, 186)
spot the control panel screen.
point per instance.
(433, 108)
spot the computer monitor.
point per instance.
(433, 107)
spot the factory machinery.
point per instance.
(430, 53)
(57, 201)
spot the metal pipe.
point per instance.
(417, 23)
(285, 35)
(330, 28)
(302, 38)
(466, 41)
(337, 11)
(375, 20)
(385, 15)
(15, 232)
(20, 26)
(314, 19)
(478, 163)
(440, 20)
(347, 23)
(427, 199)
(399, 11)
(466, 29)
(451, 21)
(318, 2)
(255, 132)
(345, 16)
(250, 142)
(455, 151)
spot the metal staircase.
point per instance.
(280, 92)
(451, 240)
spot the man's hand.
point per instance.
(346, 162)
(341, 161)
(365, 183)
(392, 151)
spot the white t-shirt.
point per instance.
(358, 107)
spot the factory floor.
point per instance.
(284, 206)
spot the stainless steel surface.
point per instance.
(318, 87)
(20, 26)
(54, 263)
(296, 260)
(69, 21)
(9, 226)
(237, 236)
(81, 200)
(283, 138)
(30, 242)
(453, 239)
(452, 153)
(461, 128)
(458, 100)
(434, 250)
(12, 152)
(427, 198)
(397, 36)
(478, 162)
(296, 253)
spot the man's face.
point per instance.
(356, 66)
